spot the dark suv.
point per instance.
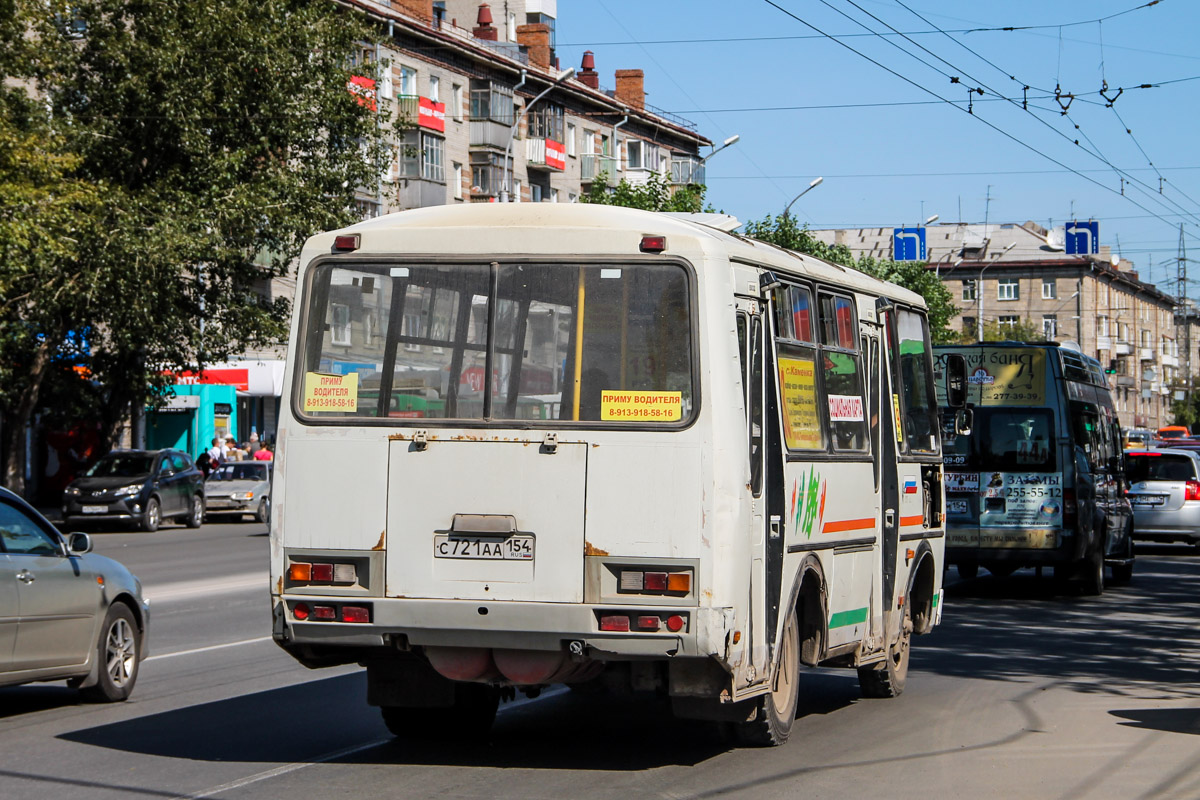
(140, 486)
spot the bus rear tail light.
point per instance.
(675, 623)
(1191, 490)
(655, 582)
(300, 611)
(300, 573)
(346, 243)
(324, 612)
(322, 572)
(653, 244)
(356, 614)
(614, 622)
(649, 623)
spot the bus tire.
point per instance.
(888, 677)
(775, 711)
(470, 718)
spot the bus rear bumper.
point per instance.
(511, 625)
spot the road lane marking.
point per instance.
(195, 650)
(348, 751)
(208, 587)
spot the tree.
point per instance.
(993, 331)
(653, 195)
(189, 149)
(915, 276)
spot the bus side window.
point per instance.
(755, 407)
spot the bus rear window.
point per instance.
(1018, 440)
(553, 342)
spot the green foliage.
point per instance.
(653, 195)
(160, 169)
(783, 231)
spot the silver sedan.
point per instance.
(66, 612)
(240, 487)
(1164, 490)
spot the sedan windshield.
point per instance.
(519, 341)
(123, 466)
(240, 472)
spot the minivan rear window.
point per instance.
(1159, 467)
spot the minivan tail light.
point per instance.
(1070, 508)
(1191, 490)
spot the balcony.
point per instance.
(1123, 348)
(1147, 354)
(1104, 343)
(592, 164)
(1170, 361)
(408, 110)
(545, 153)
(489, 133)
(1126, 380)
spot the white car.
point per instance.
(240, 487)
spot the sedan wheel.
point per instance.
(117, 655)
(264, 510)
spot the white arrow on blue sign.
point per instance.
(1082, 238)
(908, 244)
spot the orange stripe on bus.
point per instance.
(848, 525)
(919, 519)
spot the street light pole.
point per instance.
(979, 287)
(812, 185)
(730, 141)
(512, 133)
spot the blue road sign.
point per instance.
(1082, 238)
(908, 244)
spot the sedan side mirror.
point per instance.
(79, 544)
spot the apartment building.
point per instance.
(1009, 273)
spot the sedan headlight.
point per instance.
(242, 495)
(128, 491)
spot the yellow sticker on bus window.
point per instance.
(801, 417)
(326, 392)
(619, 406)
(897, 419)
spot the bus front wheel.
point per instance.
(775, 711)
(887, 678)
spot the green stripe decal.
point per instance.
(852, 617)
(936, 598)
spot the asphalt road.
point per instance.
(1020, 693)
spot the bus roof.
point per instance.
(521, 228)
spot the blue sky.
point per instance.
(749, 68)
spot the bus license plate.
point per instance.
(484, 548)
(95, 509)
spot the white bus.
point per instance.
(524, 445)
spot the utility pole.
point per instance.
(1183, 328)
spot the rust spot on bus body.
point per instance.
(591, 550)
(379, 544)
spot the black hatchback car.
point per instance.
(139, 486)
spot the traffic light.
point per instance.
(1112, 367)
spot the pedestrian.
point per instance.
(204, 463)
(264, 454)
(214, 453)
(224, 450)
(232, 450)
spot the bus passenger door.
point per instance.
(887, 436)
(751, 352)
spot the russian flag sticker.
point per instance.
(910, 485)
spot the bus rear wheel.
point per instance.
(888, 677)
(470, 718)
(776, 711)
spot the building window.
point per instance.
(968, 290)
(1102, 326)
(1123, 332)
(408, 82)
(412, 327)
(1049, 288)
(1145, 338)
(458, 176)
(339, 327)
(1009, 321)
(487, 173)
(572, 197)
(968, 325)
(1050, 326)
(546, 122)
(571, 139)
(435, 88)
(421, 156)
(1008, 289)
(491, 101)
(535, 192)
(554, 195)
(456, 101)
(634, 154)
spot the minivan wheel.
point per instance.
(152, 516)
(1092, 573)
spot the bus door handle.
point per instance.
(775, 523)
(889, 517)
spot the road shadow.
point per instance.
(1136, 640)
(29, 699)
(310, 720)
(1171, 720)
